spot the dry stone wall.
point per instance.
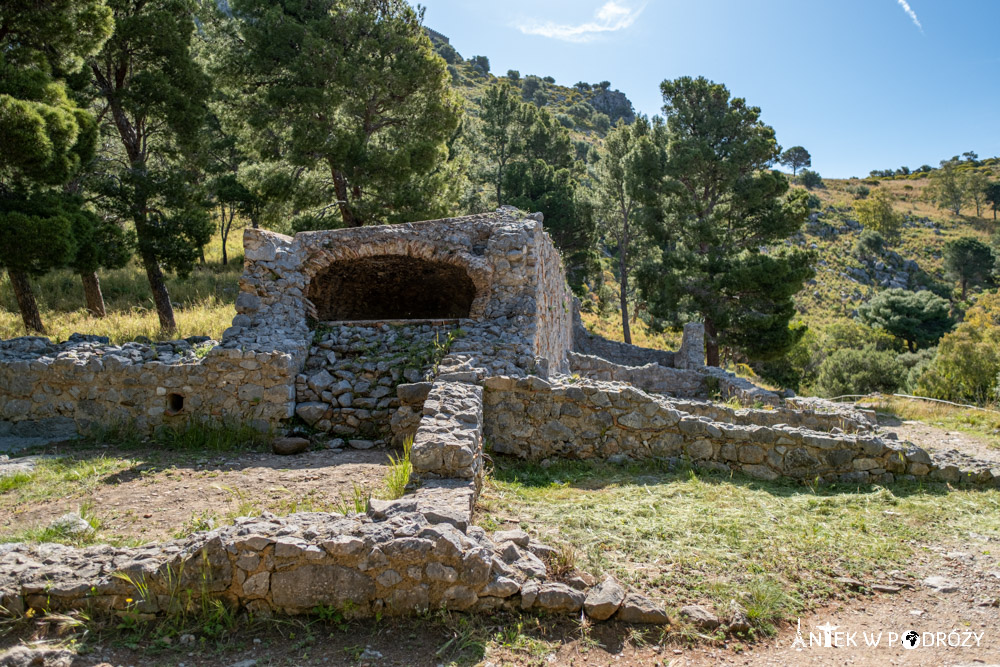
(535, 419)
(348, 384)
(87, 380)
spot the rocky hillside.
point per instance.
(588, 110)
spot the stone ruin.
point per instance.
(456, 333)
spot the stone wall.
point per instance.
(836, 420)
(534, 419)
(449, 440)
(509, 260)
(348, 385)
(398, 564)
(652, 378)
(554, 314)
(88, 381)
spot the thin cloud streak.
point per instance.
(909, 12)
(611, 17)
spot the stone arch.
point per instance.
(396, 279)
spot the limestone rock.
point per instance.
(639, 609)
(941, 584)
(604, 600)
(559, 598)
(701, 616)
(289, 446)
(311, 412)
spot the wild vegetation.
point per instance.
(147, 151)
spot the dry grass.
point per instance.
(682, 537)
(611, 328)
(203, 302)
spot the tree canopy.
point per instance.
(917, 318)
(796, 158)
(722, 207)
(353, 86)
(969, 261)
(45, 135)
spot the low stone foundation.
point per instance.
(534, 419)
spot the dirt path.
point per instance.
(938, 439)
(165, 494)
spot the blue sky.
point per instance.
(862, 84)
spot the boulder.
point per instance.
(639, 609)
(559, 598)
(702, 617)
(289, 446)
(604, 600)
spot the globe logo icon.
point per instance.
(911, 639)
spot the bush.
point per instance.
(601, 122)
(877, 214)
(869, 244)
(810, 179)
(565, 121)
(813, 202)
(916, 363)
(967, 361)
(847, 372)
(919, 319)
(859, 191)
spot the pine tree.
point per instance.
(627, 175)
(45, 136)
(353, 86)
(723, 209)
(155, 95)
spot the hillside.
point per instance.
(587, 110)
(844, 280)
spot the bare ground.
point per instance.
(171, 495)
(164, 493)
(938, 439)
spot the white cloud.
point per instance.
(611, 17)
(909, 12)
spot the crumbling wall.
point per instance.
(348, 384)
(535, 419)
(652, 378)
(89, 381)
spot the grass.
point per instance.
(203, 302)
(773, 548)
(399, 473)
(194, 435)
(982, 423)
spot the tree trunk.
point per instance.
(225, 257)
(623, 276)
(626, 332)
(160, 296)
(201, 255)
(346, 212)
(92, 293)
(711, 343)
(26, 301)
(965, 284)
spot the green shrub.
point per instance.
(810, 179)
(847, 372)
(916, 363)
(869, 244)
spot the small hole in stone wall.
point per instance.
(175, 403)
